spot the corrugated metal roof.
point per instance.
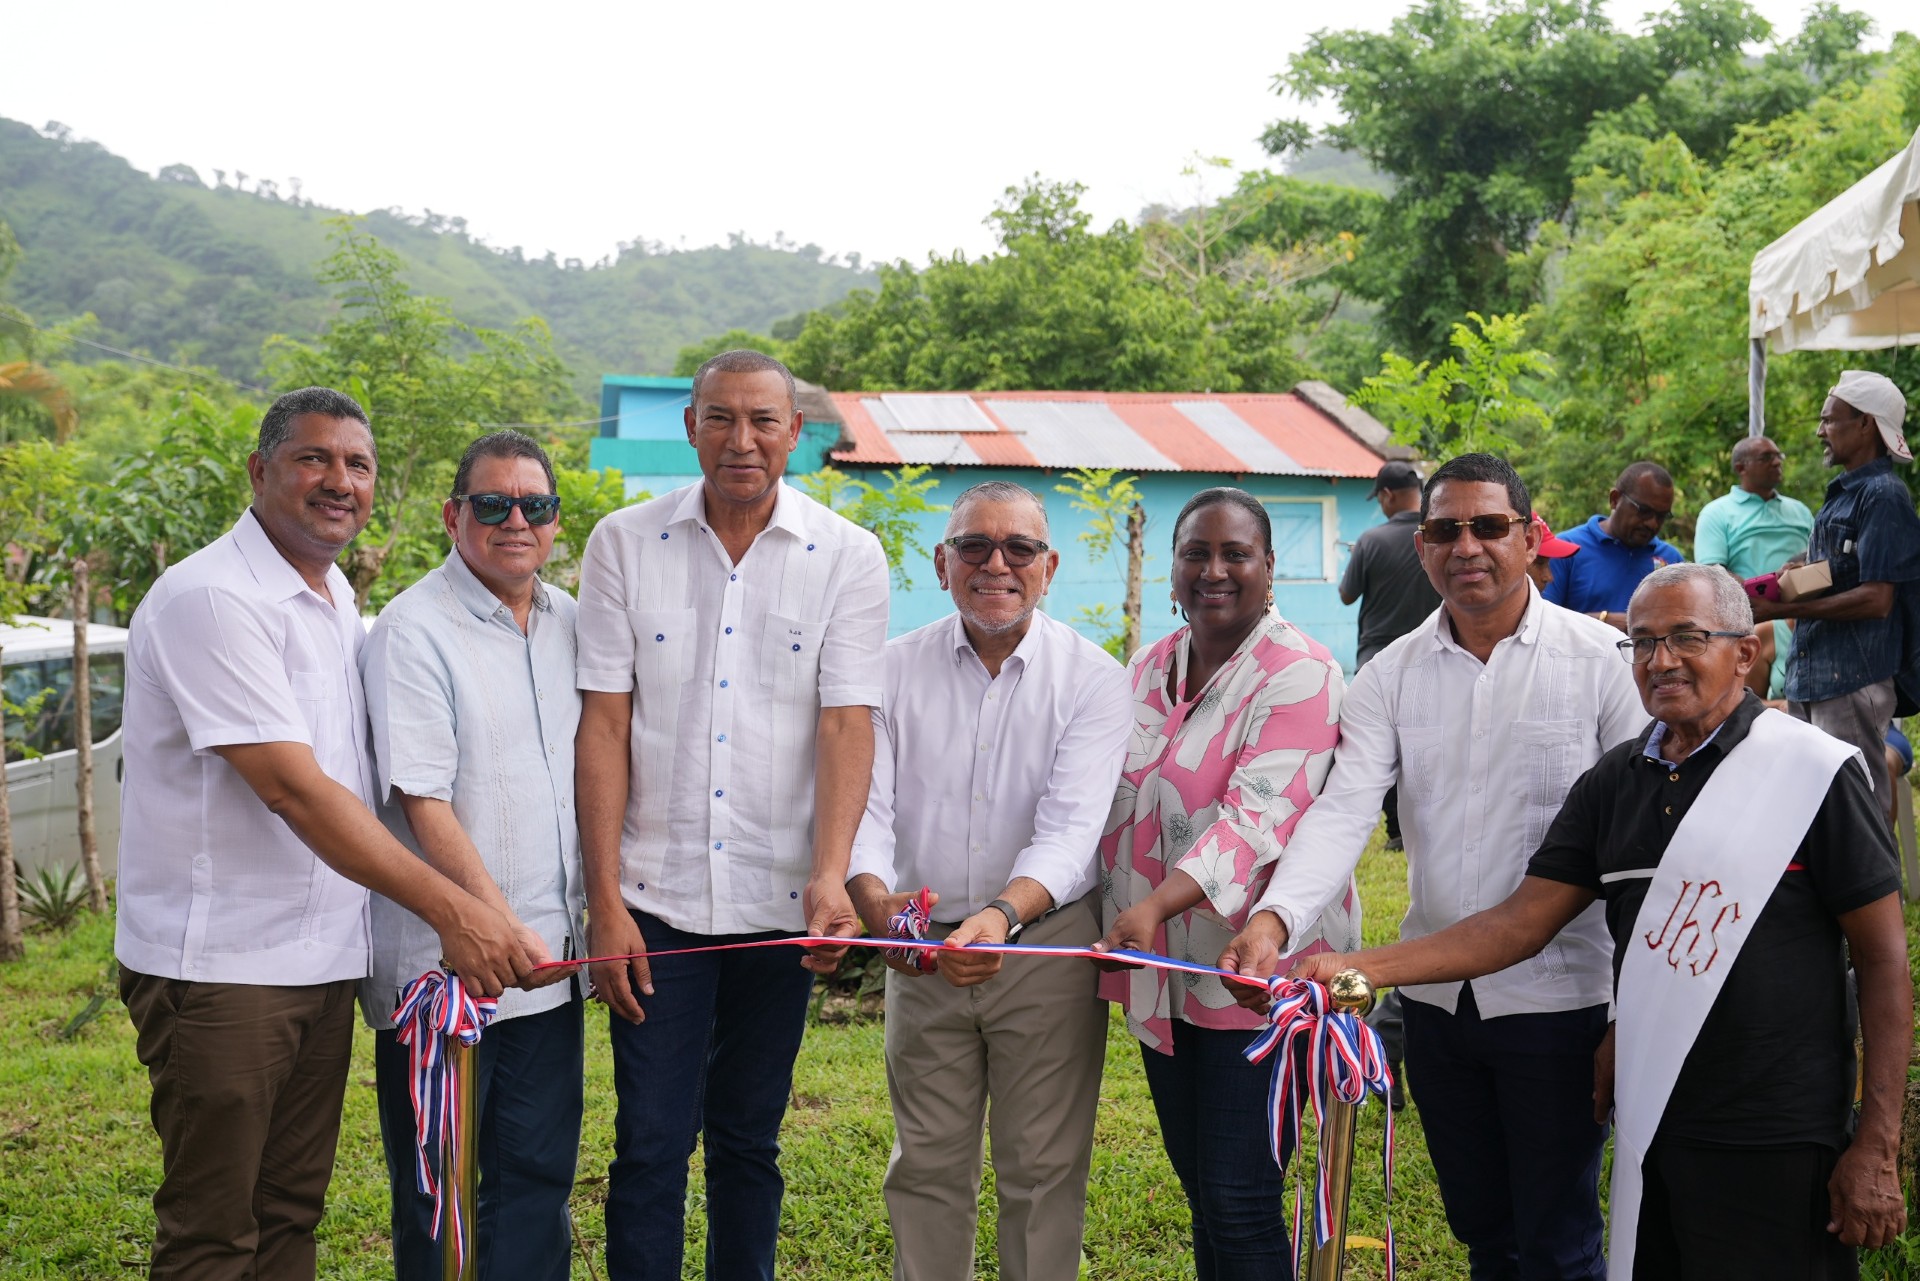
(1281, 434)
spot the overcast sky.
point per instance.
(886, 129)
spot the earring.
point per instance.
(1175, 607)
(1269, 598)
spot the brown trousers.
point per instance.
(247, 1088)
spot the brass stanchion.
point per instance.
(460, 1175)
(1349, 993)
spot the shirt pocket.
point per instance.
(1551, 757)
(663, 653)
(315, 695)
(1420, 748)
(790, 654)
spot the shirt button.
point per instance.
(809, 546)
(983, 747)
(979, 796)
(729, 631)
(1673, 778)
(1669, 809)
(796, 649)
(719, 791)
(793, 893)
(200, 860)
(663, 536)
(640, 885)
(718, 844)
(659, 636)
(733, 578)
(723, 684)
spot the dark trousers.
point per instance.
(1212, 1106)
(247, 1086)
(1730, 1214)
(529, 1130)
(713, 1061)
(1507, 1106)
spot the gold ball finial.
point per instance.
(1351, 991)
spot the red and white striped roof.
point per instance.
(1271, 435)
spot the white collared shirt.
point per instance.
(729, 666)
(231, 646)
(469, 710)
(978, 779)
(1483, 757)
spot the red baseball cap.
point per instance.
(1550, 547)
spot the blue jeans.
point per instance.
(529, 1113)
(1507, 1106)
(713, 1061)
(1212, 1106)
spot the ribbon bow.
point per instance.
(434, 1009)
(1343, 1062)
(911, 922)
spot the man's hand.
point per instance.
(537, 956)
(1132, 931)
(1865, 1194)
(877, 908)
(830, 914)
(1321, 966)
(1603, 1078)
(614, 933)
(965, 969)
(480, 944)
(1255, 952)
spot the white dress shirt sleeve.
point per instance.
(1064, 853)
(873, 844)
(221, 660)
(850, 654)
(605, 660)
(410, 702)
(1327, 842)
(1622, 714)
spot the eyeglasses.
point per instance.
(1487, 529)
(1659, 517)
(977, 549)
(1638, 650)
(493, 509)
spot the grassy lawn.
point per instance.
(78, 1161)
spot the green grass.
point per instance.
(78, 1161)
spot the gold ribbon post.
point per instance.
(460, 1176)
(1350, 993)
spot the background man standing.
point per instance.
(1754, 529)
(729, 633)
(1006, 836)
(1620, 548)
(245, 841)
(469, 677)
(1850, 643)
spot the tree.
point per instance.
(1467, 403)
(429, 383)
(891, 513)
(1485, 119)
(1114, 509)
(83, 741)
(694, 355)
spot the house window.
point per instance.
(1303, 532)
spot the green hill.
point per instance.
(183, 271)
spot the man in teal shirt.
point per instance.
(1754, 529)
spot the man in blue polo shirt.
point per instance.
(1618, 549)
(1755, 529)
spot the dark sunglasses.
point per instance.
(1487, 529)
(493, 509)
(977, 549)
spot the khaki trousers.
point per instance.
(1023, 1052)
(247, 1087)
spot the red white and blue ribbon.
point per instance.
(911, 922)
(1343, 1062)
(434, 1009)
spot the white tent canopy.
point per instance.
(1846, 279)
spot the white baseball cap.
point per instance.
(1876, 396)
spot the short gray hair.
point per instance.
(1732, 610)
(995, 491)
(277, 424)
(744, 361)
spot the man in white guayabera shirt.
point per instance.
(996, 754)
(469, 677)
(730, 638)
(1484, 716)
(245, 839)
(1743, 862)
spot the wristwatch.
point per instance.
(1012, 913)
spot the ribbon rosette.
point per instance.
(1342, 1061)
(434, 1009)
(911, 922)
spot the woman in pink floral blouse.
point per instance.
(1235, 720)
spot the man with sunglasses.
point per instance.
(997, 749)
(730, 633)
(469, 678)
(1618, 549)
(1483, 716)
(1741, 862)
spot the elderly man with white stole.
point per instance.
(997, 747)
(1742, 860)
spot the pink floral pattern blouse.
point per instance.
(1213, 787)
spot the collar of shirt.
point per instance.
(1858, 476)
(1747, 498)
(275, 572)
(692, 510)
(1022, 653)
(1658, 735)
(1527, 633)
(477, 596)
(1409, 517)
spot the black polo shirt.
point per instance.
(1773, 1062)
(1395, 593)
